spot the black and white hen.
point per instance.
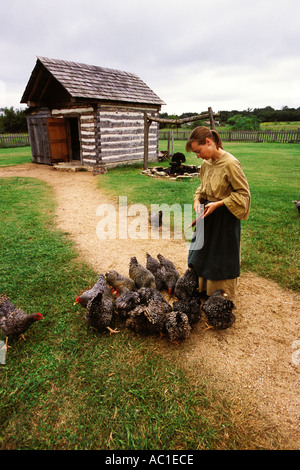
(172, 275)
(218, 310)
(126, 302)
(148, 317)
(155, 219)
(187, 285)
(158, 271)
(14, 322)
(191, 307)
(89, 294)
(146, 294)
(100, 309)
(177, 326)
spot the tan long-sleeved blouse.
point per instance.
(224, 179)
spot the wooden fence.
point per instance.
(292, 136)
(14, 140)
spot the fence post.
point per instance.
(211, 119)
(298, 135)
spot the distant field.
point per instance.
(264, 126)
(271, 126)
(280, 126)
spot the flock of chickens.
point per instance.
(139, 301)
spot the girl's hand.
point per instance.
(211, 206)
(197, 207)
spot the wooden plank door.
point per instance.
(57, 140)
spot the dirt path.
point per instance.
(256, 360)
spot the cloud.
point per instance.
(235, 88)
(190, 52)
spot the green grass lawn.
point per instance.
(67, 388)
(270, 237)
(15, 156)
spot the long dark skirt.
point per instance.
(219, 257)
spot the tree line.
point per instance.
(14, 120)
(248, 119)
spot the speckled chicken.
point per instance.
(191, 307)
(218, 310)
(187, 285)
(177, 326)
(158, 271)
(141, 276)
(172, 275)
(129, 300)
(119, 283)
(146, 294)
(148, 317)
(126, 302)
(89, 294)
(155, 219)
(100, 309)
(14, 322)
(155, 312)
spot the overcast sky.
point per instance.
(229, 54)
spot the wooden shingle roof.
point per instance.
(91, 82)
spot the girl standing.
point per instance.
(225, 193)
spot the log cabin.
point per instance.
(88, 114)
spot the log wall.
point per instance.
(121, 134)
(109, 134)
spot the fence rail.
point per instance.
(292, 136)
(14, 140)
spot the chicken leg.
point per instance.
(6, 346)
(208, 327)
(111, 331)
